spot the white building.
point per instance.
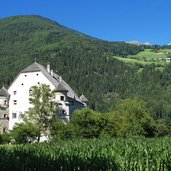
(36, 74)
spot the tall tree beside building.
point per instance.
(43, 111)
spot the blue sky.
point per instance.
(113, 20)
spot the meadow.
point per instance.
(147, 57)
(140, 154)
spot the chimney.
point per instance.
(51, 72)
(48, 67)
(60, 79)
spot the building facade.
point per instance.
(4, 118)
(35, 75)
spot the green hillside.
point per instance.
(148, 56)
(83, 61)
(86, 63)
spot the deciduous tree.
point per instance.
(43, 109)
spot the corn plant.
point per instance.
(136, 154)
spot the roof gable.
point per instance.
(4, 92)
(83, 98)
(54, 79)
(32, 68)
(60, 87)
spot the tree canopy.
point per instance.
(43, 110)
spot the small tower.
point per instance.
(61, 99)
(4, 112)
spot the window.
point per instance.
(38, 82)
(62, 98)
(22, 84)
(64, 112)
(5, 102)
(37, 74)
(15, 92)
(72, 102)
(14, 115)
(4, 129)
(30, 92)
(5, 116)
(30, 101)
(15, 102)
(25, 75)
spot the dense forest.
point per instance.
(86, 63)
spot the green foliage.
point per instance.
(25, 133)
(1, 139)
(87, 123)
(136, 115)
(5, 138)
(116, 125)
(129, 118)
(93, 154)
(61, 131)
(163, 127)
(44, 109)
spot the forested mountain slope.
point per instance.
(86, 63)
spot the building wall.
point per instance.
(4, 122)
(19, 94)
(19, 97)
(62, 100)
(74, 105)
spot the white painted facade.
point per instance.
(36, 74)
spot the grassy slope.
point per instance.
(147, 57)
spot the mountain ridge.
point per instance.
(86, 63)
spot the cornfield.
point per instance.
(136, 154)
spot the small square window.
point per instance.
(14, 115)
(22, 84)
(38, 82)
(15, 102)
(62, 98)
(37, 74)
(15, 92)
(25, 75)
